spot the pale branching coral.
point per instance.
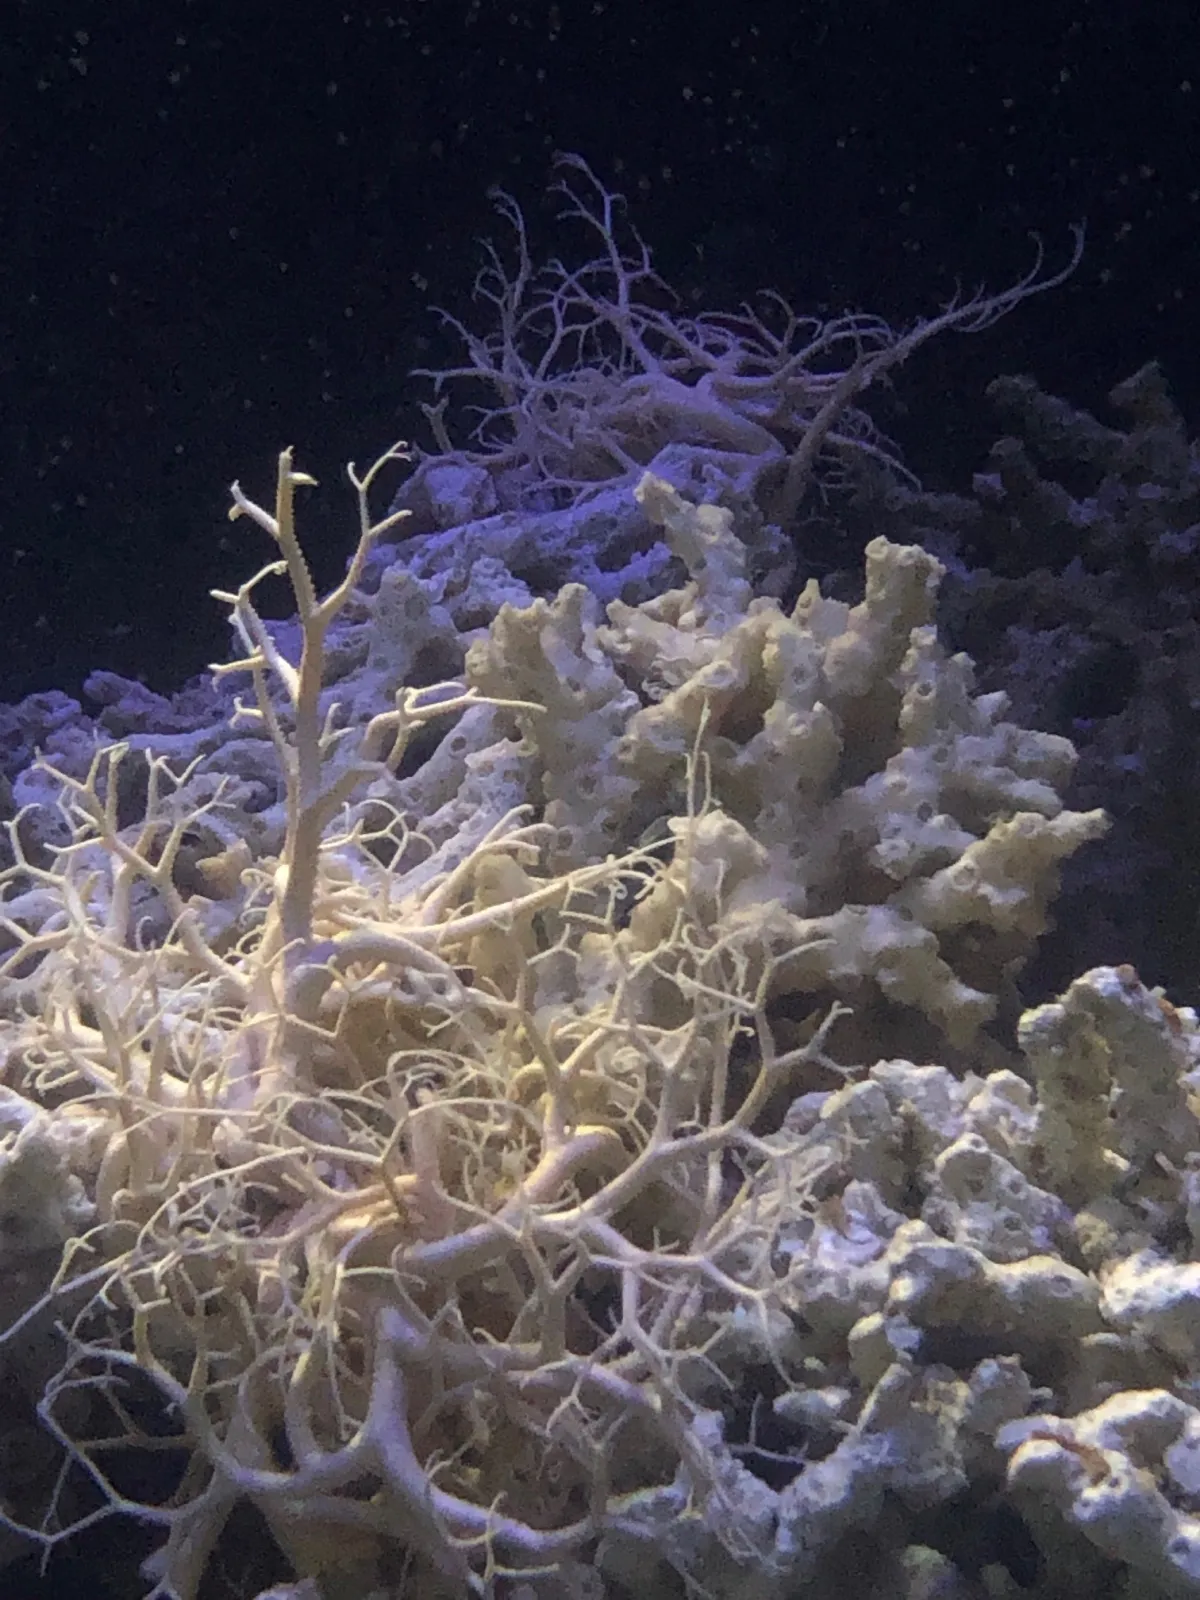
(416, 1236)
(591, 372)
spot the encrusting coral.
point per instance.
(470, 1100)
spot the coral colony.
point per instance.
(520, 1079)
